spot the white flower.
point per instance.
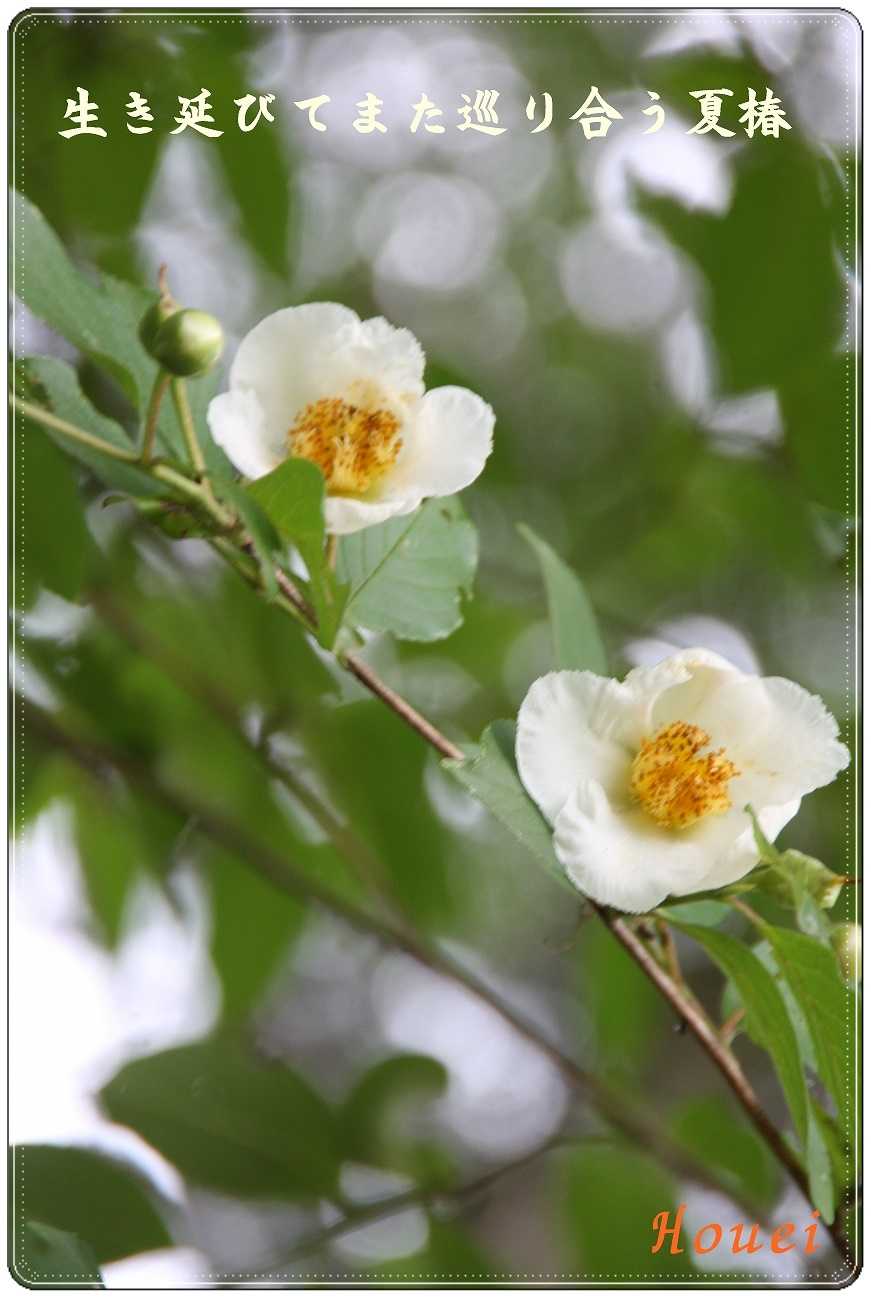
(645, 781)
(317, 381)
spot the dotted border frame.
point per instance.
(19, 30)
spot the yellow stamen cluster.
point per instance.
(353, 445)
(674, 784)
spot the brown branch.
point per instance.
(698, 1023)
(690, 1012)
(288, 878)
(369, 1213)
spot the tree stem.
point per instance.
(161, 383)
(186, 423)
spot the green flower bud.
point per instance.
(154, 317)
(847, 942)
(188, 342)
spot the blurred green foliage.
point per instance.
(204, 685)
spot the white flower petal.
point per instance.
(578, 735)
(618, 860)
(447, 444)
(346, 514)
(293, 357)
(236, 423)
(618, 856)
(783, 740)
(571, 726)
(742, 854)
(392, 356)
(682, 680)
(281, 348)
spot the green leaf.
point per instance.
(709, 913)
(264, 538)
(762, 1000)
(46, 1256)
(381, 1116)
(490, 774)
(89, 1194)
(610, 1193)
(399, 844)
(109, 851)
(626, 1013)
(746, 276)
(709, 1129)
(229, 1121)
(292, 498)
(253, 927)
(797, 881)
(59, 550)
(819, 1167)
(769, 1023)
(811, 972)
(101, 318)
(408, 575)
(52, 383)
(577, 642)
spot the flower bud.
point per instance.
(154, 317)
(188, 342)
(847, 942)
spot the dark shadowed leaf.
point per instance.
(103, 1201)
(43, 1256)
(718, 1136)
(229, 1121)
(607, 1189)
(59, 550)
(381, 1118)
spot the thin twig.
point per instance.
(288, 878)
(369, 1213)
(723, 1058)
(729, 1025)
(76, 434)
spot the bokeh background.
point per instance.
(664, 327)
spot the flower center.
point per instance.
(674, 784)
(353, 444)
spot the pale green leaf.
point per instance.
(811, 972)
(259, 526)
(576, 638)
(764, 1004)
(52, 383)
(292, 498)
(770, 1024)
(489, 773)
(408, 575)
(100, 317)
